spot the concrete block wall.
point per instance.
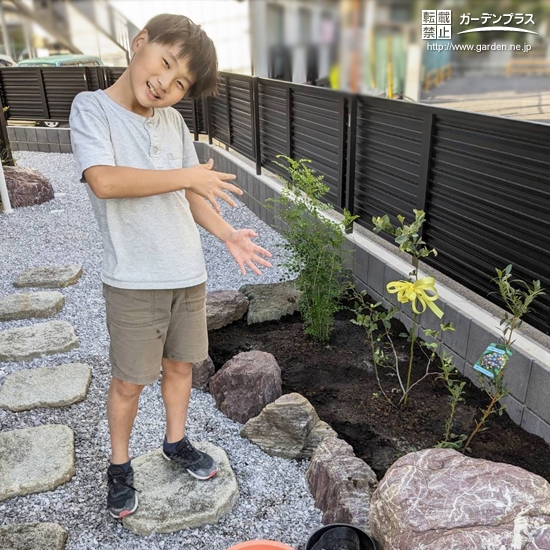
(528, 375)
(46, 140)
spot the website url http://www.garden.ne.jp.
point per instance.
(478, 47)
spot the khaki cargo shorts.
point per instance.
(147, 325)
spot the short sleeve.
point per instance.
(90, 137)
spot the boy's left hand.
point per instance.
(244, 250)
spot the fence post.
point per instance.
(5, 148)
(255, 100)
(341, 192)
(349, 190)
(289, 150)
(425, 164)
(207, 101)
(195, 121)
(45, 105)
(228, 109)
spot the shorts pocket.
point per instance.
(195, 297)
(129, 307)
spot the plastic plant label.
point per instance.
(493, 360)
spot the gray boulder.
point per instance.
(269, 302)
(202, 372)
(27, 186)
(341, 484)
(33, 536)
(438, 499)
(45, 387)
(21, 344)
(33, 304)
(33, 460)
(52, 276)
(170, 499)
(246, 384)
(289, 427)
(224, 307)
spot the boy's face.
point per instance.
(159, 78)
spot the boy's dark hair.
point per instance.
(195, 47)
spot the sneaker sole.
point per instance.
(212, 474)
(125, 513)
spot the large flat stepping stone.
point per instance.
(170, 499)
(46, 387)
(20, 344)
(51, 276)
(33, 536)
(33, 460)
(33, 304)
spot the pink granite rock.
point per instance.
(341, 484)
(438, 499)
(26, 186)
(202, 372)
(224, 307)
(246, 384)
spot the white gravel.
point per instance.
(274, 502)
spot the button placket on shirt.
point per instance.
(154, 140)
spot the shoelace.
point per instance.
(118, 479)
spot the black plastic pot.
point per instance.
(367, 542)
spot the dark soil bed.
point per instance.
(338, 380)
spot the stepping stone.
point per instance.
(170, 499)
(33, 304)
(45, 387)
(33, 460)
(50, 276)
(20, 344)
(33, 536)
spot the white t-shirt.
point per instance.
(148, 242)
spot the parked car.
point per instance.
(6, 61)
(66, 60)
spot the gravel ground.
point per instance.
(274, 502)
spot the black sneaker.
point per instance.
(197, 463)
(338, 538)
(121, 497)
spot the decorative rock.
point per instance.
(50, 276)
(269, 302)
(33, 460)
(202, 372)
(26, 186)
(20, 344)
(45, 387)
(170, 499)
(224, 307)
(33, 536)
(438, 499)
(34, 304)
(341, 484)
(246, 384)
(289, 427)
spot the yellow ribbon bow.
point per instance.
(411, 292)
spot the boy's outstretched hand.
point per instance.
(245, 251)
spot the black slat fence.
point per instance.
(483, 181)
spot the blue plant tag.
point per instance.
(493, 360)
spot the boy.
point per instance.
(147, 189)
